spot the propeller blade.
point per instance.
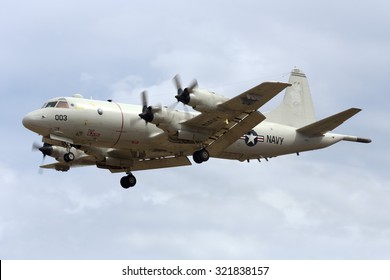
(35, 146)
(194, 84)
(40, 170)
(46, 149)
(144, 99)
(147, 111)
(177, 82)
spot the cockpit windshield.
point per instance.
(61, 103)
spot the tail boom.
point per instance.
(356, 139)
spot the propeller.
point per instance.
(147, 111)
(183, 95)
(46, 150)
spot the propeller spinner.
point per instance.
(46, 149)
(183, 95)
(147, 111)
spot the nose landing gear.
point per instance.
(128, 181)
(68, 157)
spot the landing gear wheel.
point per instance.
(196, 157)
(201, 156)
(204, 155)
(128, 181)
(68, 157)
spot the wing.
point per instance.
(220, 128)
(254, 98)
(117, 160)
(147, 164)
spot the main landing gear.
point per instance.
(128, 181)
(201, 156)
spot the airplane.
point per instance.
(127, 138)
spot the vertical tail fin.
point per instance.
(297, 107)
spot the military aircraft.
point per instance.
(127, 138)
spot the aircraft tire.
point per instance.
(68, 157)
(201, 156)
(204, 155)
(128, 181)
(196, 158)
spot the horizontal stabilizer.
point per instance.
(325, 125)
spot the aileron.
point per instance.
(254, 98)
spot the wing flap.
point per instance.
(147, 164)
(207, 122)
(325, 125)
(161, 163)
(228, 135)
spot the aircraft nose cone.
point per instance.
(33, 121)
(28, 121)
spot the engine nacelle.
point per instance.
(58, 152)
(205, 101)
(168, 120)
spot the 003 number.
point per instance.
(61, 118)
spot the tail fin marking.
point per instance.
(297, 107)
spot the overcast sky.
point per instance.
(327, 204)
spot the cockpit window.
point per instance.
(56, 104)
(50, 104)
(62, 104)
